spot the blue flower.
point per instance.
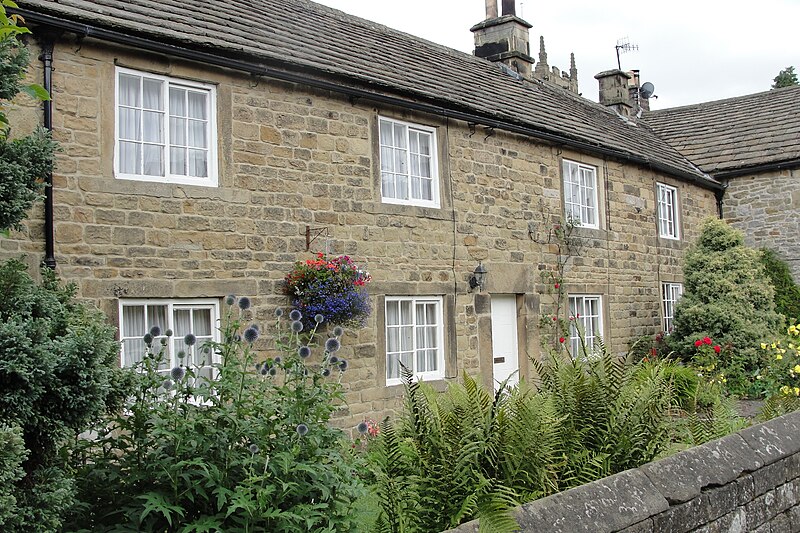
(278, 312)
(302, 429)
(319, 318)
(244, 303)
(326, 372)
(338, 331)
(278, 360)
(168, 333)
(155, 331)
(264, 370)
(167, 384)
(254, 449)
(304, 351)
(148, 339)
(190, 339)
(177, 373)
(333, 360)
(295, 315)
(332, 345)
(273, 371)
(297, 326)
(362, 428)
(343, 365)
(230, 299)
(181, 354)
(251, 335)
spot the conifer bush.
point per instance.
(787, 292)
(728, 297)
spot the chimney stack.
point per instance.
(504, 39)
(614, 92)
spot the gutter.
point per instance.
(87, 30)
(781, 165)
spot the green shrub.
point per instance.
(468, 453)
(726, 297)
(12, 455)
(248, 449)
(58, 374)
(787, 292)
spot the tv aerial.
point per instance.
(624, 45)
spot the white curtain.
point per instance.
(133, 329)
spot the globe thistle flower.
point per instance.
(255, 327)
(189, 339)
(278, 312)
(244, 303)
(251, 334)
(343, 365)
(297, 326)
(338, 331)
(264, 370)
(302, 430)
(304, 351)
(230, 299)
(326, 372)
(362, 428)
(163, 341)
(167, 384)
(273, 371)
(148, 339)
(278, 360)
(177, 373)
(155, 331)
(295, 314)
(254, 448)
(168, 333)
(319, 318)
(332, 345)
(181, 354)
(333, 360)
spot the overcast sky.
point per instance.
(691, 50)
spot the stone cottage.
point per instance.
(752, 145)
(207, 146)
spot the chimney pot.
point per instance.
(509, 7)
(491, 9)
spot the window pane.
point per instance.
(133, 350)
(202, 322)
(424, 144)
(393, 366)
(197, 134)
(388, 185)
(177, 102)
(177, 161)
(405, 312)
(198, 164)
(400, 136)
(129, 90)
(129, 124)
(393, 340)
(413, 138)
(183, 322)
(130, 156)
(401, 184)
(153, 126)
(416, 188)
(133, 321)
(177, 131)
(400, 161)
(427, 189)
(425, 167)
(152, 94)
(197, 105)
(386, 133)
(406, 338)
(387, 159)
(392, 313)
(153, 164)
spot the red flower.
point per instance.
(717, 348)
(707, 340)
(561, 340)
(557, 285)
(698, 343)
(555, 318)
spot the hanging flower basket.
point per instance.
(334, 288)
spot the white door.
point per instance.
(504, 339)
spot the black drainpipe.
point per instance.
(47, 41)
(720, 194)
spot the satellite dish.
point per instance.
(647, 90)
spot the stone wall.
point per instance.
(291, 157)
(746, 482)
(765, 206)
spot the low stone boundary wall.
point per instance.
(745, 482)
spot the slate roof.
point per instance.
(302, 36)
(733, 135)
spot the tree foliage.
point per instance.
(727, 296)
(785, 78)
(787, 292)
(24, 161)
(58, 374)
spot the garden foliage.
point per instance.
(787, 292)
(24, 161)
(334, 288)
(781, 375)
(469, 453)
(59, 373)
(248, 449)
(728, 298)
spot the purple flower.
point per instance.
(254, 449)
(244, 303)
(148, 339)
(338, 331)
(297, 326)
(326, 372)
(278, 312)
(343, 365)
(319, 318)
(333, 360)
(295, 315)
(332, 345)
(190, 339)
(155, 331)
(177, 373)
(251, 334)
(362, 428)
(302, 429)
(304, 351)
(230, 299)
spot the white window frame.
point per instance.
(581, 197)
(171, 355)
(668, 212)
(670, 294)
(591, 325)
(439, 329)
(434, 164)
(212, 179)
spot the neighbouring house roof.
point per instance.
(326, 44)
(737, 135)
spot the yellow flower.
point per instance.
(785, 389)
(796, 369)
(797, 391)
(763, 345)
(773, 346)
(778, 357)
